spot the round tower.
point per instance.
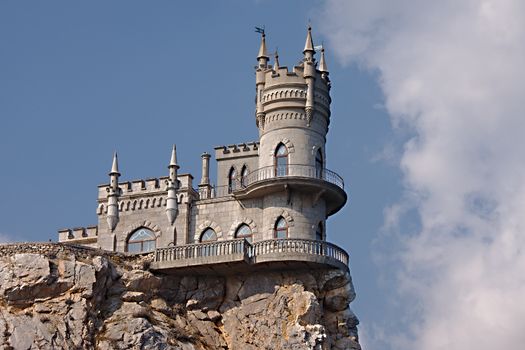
(293, 109)
(292, 115)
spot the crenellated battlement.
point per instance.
(142, 187)
(246, 149)
(84, 235)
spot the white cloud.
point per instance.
(453, 73)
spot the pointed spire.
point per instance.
(173, 161)
(309, 45)
(276, 64)
(114, 166)
(323, 68)
(262, 49)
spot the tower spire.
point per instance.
(276, 63)
(323, 67)
(114, 166)
(113, 194)
(172, 185)
(309, 45)
(262, 57)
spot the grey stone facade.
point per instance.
(293, 110)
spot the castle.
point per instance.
(270, 201)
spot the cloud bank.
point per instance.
(453, 74)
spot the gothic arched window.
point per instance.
(231, 179)
(319, 164)
(319, 232)
(281, 160)
(141, 241)
(244, 173)
(208, 235)
(281, 228)
(244, 231)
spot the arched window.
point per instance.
(208, 235)
(244, 231)
(231, 180)
(141, 241)
(281, 160)
(281, 228)
(244, 173)
(319, 164)
(319, 232)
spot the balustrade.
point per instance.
(251, 252)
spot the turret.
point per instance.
(323, 67)
(172, 185)
(260, 79)
(309, 75)
(113, 193)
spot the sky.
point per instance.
(426, 130)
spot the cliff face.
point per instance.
(56, 296)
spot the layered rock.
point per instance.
(57, 296)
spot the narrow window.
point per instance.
(141, 241)
(244, 174)
(231, 180)
(319, 164)
(281, 228)
(245, 232)
(281, 160)
(319, 232)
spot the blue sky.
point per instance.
(421, 96)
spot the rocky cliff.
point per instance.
(58, 296)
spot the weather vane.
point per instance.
(259, 30)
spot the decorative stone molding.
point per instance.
(285, 116)
(289, 146)
(259, 120)
(204, 225)
(285, 215)
(146, 224)
(309, 115)
(237, 223)
(283, 93)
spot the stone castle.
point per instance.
(271, 198)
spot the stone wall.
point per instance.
(60, 296)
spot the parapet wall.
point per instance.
(247, 149)
(146, 186)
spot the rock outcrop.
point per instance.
(58, 296)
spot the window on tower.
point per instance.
(281, 160)
(231, 180)
(281, 228)
(141, 241)
(244, 174)
(245, 232)
(319, 164)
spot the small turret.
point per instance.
(262, 57)
(260, 80)
(172, 185)
(113, 193)
(276, 63)
(309, 75)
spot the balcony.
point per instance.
(239, 255)
(306, 178)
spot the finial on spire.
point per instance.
(323, 67)
(309, 45)
(276, 63)
(262, 48)
(173, 161)
(114, 166)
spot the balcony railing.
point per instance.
(273, 250)
(291, 170)
(204, 250)
(272, 172)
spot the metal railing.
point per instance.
(272, 172)
(250, 252)
(292, 170)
